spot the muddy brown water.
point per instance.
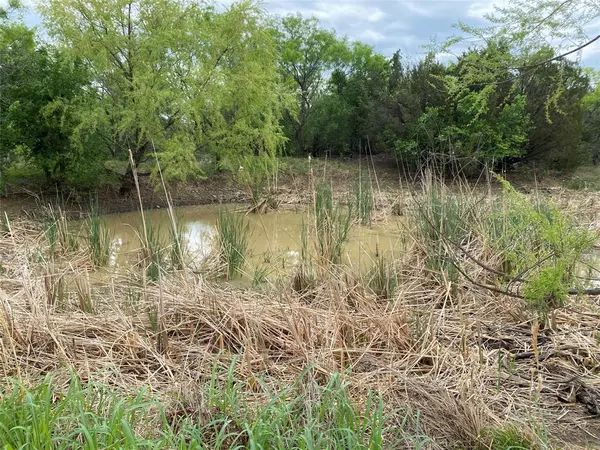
(275, 237)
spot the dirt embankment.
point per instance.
(292, 187)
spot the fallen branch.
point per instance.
(590, 291)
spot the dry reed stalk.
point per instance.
(162, 341)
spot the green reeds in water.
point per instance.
(304, 279)
(333, 224)
(99, 238)
(443, 216)
(443, 220)
(61, 239)
(178, 247)
(152, 250)
(382, 277)
(233, 233)
(260, 275)
(364, 200)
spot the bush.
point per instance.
(539, 243)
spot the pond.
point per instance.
(275, 237)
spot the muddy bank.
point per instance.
(111, 199)
(391, 186)
(293, 187)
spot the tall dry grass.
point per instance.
(455, 364)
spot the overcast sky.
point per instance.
(390, 25)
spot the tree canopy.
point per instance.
(175, 76)
(183, 83)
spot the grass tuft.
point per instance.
(152, 250)
(332, 225)
(364, 200)
(98, 238)
(383, 278)
(92, 416)
(233, 232)
(505, 438)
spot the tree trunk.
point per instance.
(300, 140)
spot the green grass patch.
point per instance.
(306, 415)
(506, 438)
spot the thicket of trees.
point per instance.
(185, 82)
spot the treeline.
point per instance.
(186, 83)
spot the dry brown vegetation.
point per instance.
(462, 356)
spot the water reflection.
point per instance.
(199, 239)
(275, 238)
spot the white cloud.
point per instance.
(479, 9)
(371, 36)
(376, 15)
(426, 9)
(347, 10)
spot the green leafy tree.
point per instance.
(366, 93)
(351, 110)
(38, 90)
(532, 25)
(482, 120)
(591, 126)
(537, 37)
(329, 127)
(413, 89)
(306, 52)
(7, 68)
(9, 9)
(173, 76)
(555, 138)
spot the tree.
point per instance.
(538, 36)
(10, 8)
(554, 95)
(38, 89)
(6, 71)
(307, 52)
(350, 110)
(173, 76)
(366, 93)
(413, 89)
(591, 126)
(480, 118)
(533, 25)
